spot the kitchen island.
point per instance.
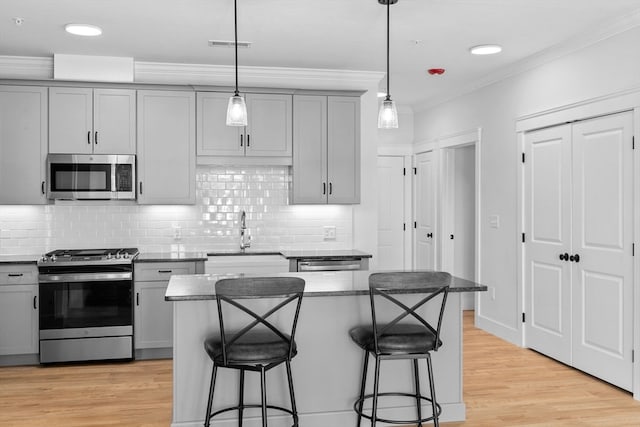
(326, 371)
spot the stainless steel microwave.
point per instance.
(91, 177)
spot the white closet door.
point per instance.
(390, 213)
(602, 237)
(547, 206)
(425, 211)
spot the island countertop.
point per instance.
(200, 287)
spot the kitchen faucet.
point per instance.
(245, 238)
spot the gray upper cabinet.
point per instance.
(23, 144)
(86, 121)
(326, 154)
(166, 147)
(267, 138)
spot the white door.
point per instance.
(425, 211)
(391, 222)
(547, 207)
(602, 237)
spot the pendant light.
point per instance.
(237, 109)
(388, 115)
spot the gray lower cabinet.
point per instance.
(326, 152)
(18, 314)
(153, 316)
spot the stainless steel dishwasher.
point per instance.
(328, 264)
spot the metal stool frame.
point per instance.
(381, 285)
(228, 291)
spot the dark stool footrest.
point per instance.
(236, 408)
(382, 420)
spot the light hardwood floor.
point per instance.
(503, 386)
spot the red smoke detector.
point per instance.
(435, 71)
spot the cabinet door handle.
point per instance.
(42, 187)
(89, 137)
(15, 274)
(241, 140)
(140, 187)
(330, 188)
(248, 140)
(324, 188)
(35, 302)
(95, 138)
(137, 298)
(164, 271)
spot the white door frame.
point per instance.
(610, 104)
(440, 147)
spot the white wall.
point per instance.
(609, 66)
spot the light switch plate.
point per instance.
(329, 232)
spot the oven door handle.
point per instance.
(84, 277)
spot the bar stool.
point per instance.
(259, 345)
(413, 339)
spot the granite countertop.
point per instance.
(19, 259)
(330, 283)
(235, 252)
(171, 256)
(324, 253)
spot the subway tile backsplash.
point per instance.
(222, 192)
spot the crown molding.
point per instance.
(41, 68)
(26, 67)
(562, 49)
(224, 75)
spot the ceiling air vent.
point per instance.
(228, 43)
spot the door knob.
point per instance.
(430, 235)
(564, 257)
(575, 258)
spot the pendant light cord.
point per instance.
(235, 26)
(388, 98)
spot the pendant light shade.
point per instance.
(236, 109)
(388, 115)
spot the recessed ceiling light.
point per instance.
(83, 29)
(486, 49)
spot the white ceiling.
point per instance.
(330, 34)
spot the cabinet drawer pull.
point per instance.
(42, 187)
(15, 274)
(35, 302)
(89, 137)
(248, 140)
(164, 271)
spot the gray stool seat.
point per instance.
(258, 347)
(400, 338)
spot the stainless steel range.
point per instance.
(86, 306)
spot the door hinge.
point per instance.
(523, 318)
(523, 238)
(415, 171)
(522, 157)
